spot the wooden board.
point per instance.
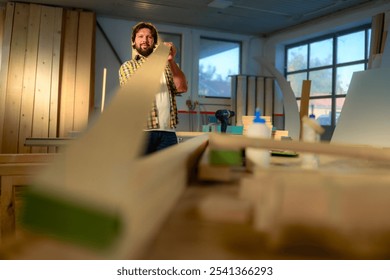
(29, 77)
(6, 49)
(269, 97)
(2, 22)
(68, 73)
(260, 96)
(44, 72)
(84, 70)
(56, 72)
(305, 98)
(15, 79)
(241, 101)
(251, 102)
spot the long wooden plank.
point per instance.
(55, 75)
(237, 141)
(43, 81)
(269, 97)
(6, 49)
(84, 70)
(68, 79)
(29, 78)
(233, 82)
(27, 158)
(251, 102)
(241, 101)
(305, 98)
(260, 97)
(15, 79)
(2, 23)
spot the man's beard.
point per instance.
(145, 52)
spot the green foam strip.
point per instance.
(225, 157)
(69, 220)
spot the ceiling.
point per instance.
(250, 17)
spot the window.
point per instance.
(329, 63)
(218, 60)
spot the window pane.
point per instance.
(321, 53)
(350, 47)
(297, 58)
(344, 76)
(296, 82)
(322, 109)
(218, 60)
(176, 40)
(321, 82)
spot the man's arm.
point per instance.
(178, 76)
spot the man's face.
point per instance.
(144, 41)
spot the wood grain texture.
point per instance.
(6, 49)
(29, 77)
(15, 79)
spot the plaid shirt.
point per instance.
(128, 68)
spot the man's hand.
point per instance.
(172, 51)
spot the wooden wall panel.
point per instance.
(84, 70)
(56, 75)
(2, 21)
(15, 79)
(6, 48)
(43, 84)
(68, 72)
(47, 87)
(29, 77)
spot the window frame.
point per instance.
(240, 44)
(334, 66)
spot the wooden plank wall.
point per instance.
(2, 20)
(78, 67)
(47, 73)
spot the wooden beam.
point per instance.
(235, 142)
(305, 98)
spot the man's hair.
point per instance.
(141, 25)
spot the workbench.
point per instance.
(295, 233)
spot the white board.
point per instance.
(364, 119)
